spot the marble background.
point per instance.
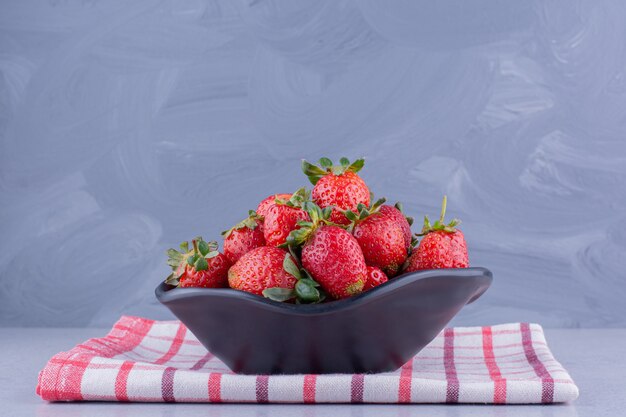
(126, 127)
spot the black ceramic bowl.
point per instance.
(376, 331)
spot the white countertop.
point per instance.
(595, 358)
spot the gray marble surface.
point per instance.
(127, 127)
(594, 357)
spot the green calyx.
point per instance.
(362, 212)
(440, 225)
(298, 198)
(196, 257)
(251, 222)
(306, 289)
(318, 217)
(325, 167)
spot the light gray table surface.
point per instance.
(594, 357)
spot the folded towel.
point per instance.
(161, 361)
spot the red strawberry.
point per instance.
(202, 266)
(334, 259)
(443, 246)
(380, 237)
(215, 276)
(261, 210)
(337, 186)
(330, 254)
(281, 218)
(260, 269)
(243, 237)
(375, 277)
(395, 213)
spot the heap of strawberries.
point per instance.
(329, 243)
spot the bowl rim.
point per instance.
(166, 293)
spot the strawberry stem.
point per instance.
(439, 225)
(194, 242)
(443, 208)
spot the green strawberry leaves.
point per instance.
(201, 252)
(298, 237)
(307, 292)
(315, 172)
(298, 198)
(196, 258)
(191, 260)
(326, 163)
(251, 222)
(278, 294)
(203, 247)
(201, 264)
(356, 166)
(363, 212)
(318, 217)
(306, 289)
(290, 267)
(174, 258)
(316, 214)
(172, 279)
(439, 225)
(176, 261)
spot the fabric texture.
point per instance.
(161, 361)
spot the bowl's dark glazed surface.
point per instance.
(376, 331)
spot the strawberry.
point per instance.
(202, 266)
(443, 246)
(330, 254)
(380, 237)
(395, 213)
(305, 290)
(243, 237)
(260, 269)
(375, 277)
(265, 204)
(283, 216)
(337, 186)
(215, 276)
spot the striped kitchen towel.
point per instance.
(146, 360)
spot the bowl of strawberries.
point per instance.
(322, 281)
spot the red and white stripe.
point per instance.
(161, 361)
